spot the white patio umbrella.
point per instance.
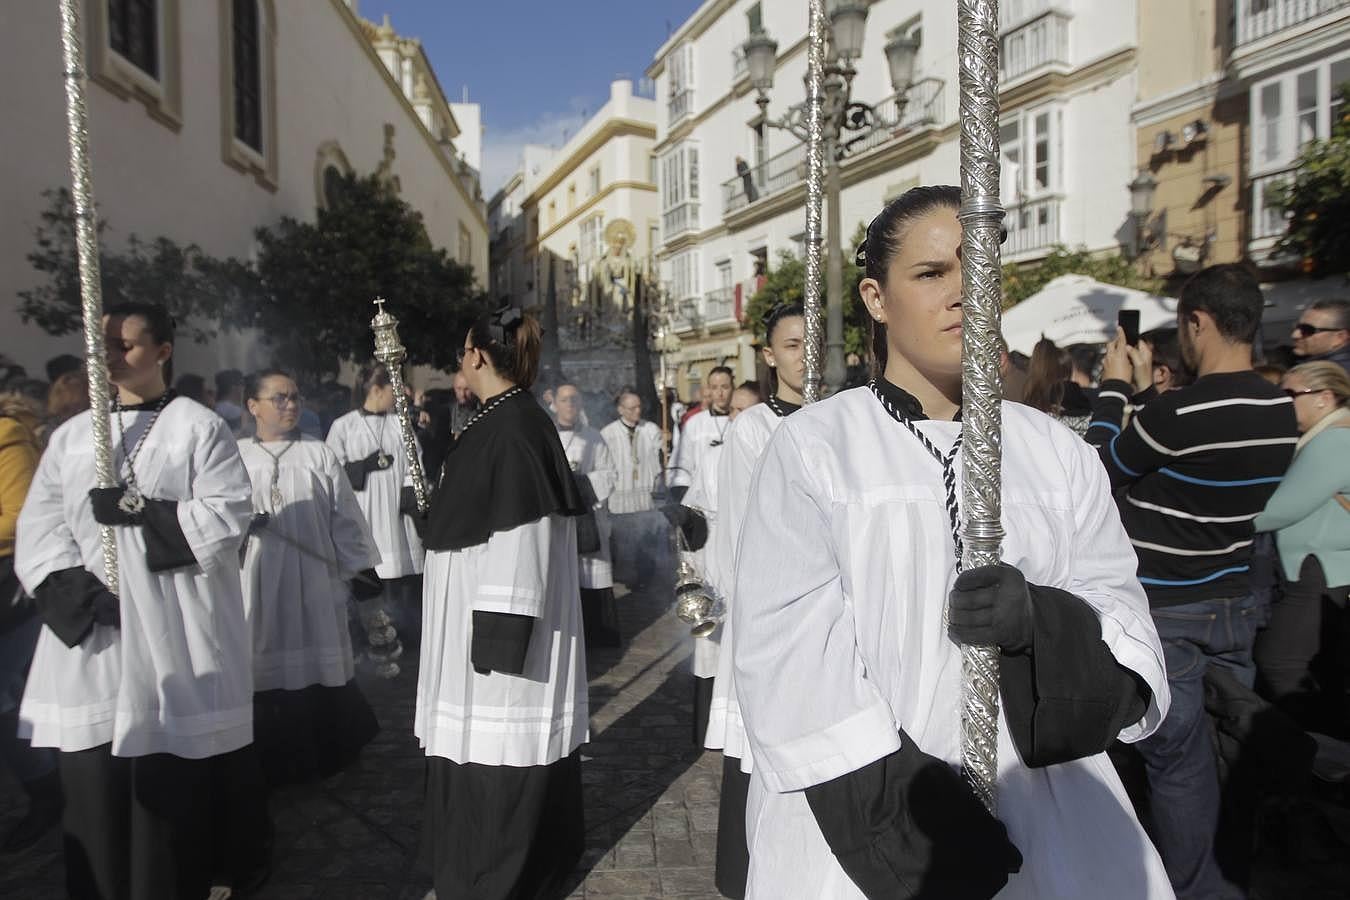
(1076, 309)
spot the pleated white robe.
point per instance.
(176, 677)
(736, 467)
(296, 570)
(532, 719)
(710, 560)
(845, 563)
(588, 454)
(700, 438)
(637, 462)
(356, 436)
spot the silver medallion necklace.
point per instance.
(382, 459)
(275, 493)
(132, 501)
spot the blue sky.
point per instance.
(539, 68)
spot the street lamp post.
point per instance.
(847, 25)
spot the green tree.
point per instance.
(1021, 280)
(201, 292)
(1317, 199)
(319, 280)
(786, 282)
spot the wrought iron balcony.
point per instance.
(1037, 42)
(1033, 225)
(922, 109)
(1257, 19)
(719, 305)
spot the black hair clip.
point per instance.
(504, 321)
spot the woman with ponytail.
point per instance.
(850, 608)
(501, 692)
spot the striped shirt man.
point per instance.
(1191, 470)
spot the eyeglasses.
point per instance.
(1291, 393)
(281, 400)
(1307, 329)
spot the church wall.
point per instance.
(156, 180)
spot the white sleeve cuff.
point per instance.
(862, 738)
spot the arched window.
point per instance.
(247, 40)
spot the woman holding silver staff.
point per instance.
(146, 693)
(308, 540)
(368, 444)
(850, 612)
(501, 693)
(784, 346)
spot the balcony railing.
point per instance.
(686, 317)
(1260, 18)
(1041, 41)
(1012, 13)
(719, 305)
(680, 105)
(679, 219)
(1032, 225)
(786, 169)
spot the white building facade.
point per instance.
(1290, 58)
(1068, 82)
(210, 119)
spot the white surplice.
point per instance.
(700, 438)
(531, 719)
(588, 455)
(355, 436)
(845, 563)
(710, 560)
(736, 467)
(296, 569)
(636, 453)
(176, 677)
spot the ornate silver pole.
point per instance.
(390, 351)
(981, 387)
(815, 189)
(91, 283)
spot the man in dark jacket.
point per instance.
(1323, 333)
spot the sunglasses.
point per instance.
(1291, 393)
(1306, 329)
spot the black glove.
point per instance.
(106, 510)
(366, 585)
(676, 515)
(372, 462)
(259, 522)
(407, 502)
(991, 605)
(107, 609)
(907, 826)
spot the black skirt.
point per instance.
(502, 832)
(311, 733)
(137, 826)
(733, 854)
(600, 617)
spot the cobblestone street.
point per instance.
(651, 798)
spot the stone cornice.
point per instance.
(612, 128)
(580, 211)
(354, 26)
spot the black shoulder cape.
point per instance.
(505, 471)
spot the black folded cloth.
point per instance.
(106, 510)
(357, 470)
(71, 601)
